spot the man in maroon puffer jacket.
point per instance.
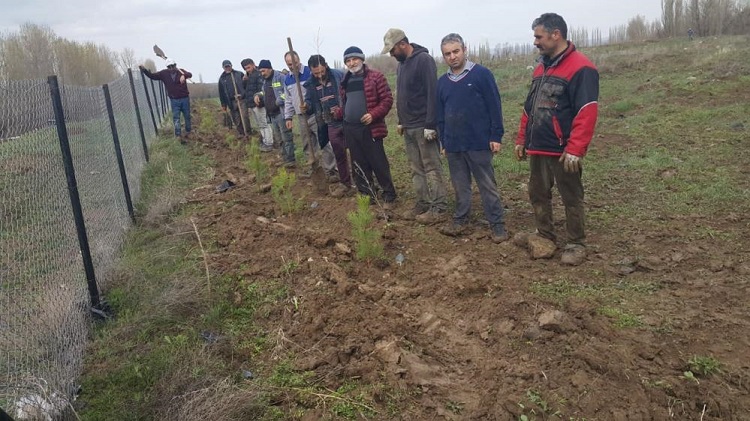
(366, 100)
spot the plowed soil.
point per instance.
(467, 329)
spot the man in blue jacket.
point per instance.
(322, 99)
(470, 122)
(292, 108)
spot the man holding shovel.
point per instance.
(231, 94)
(179, 97)
(293, 107)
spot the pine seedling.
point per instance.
(367, 239)
(281, 189)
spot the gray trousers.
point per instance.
(426, 171)
(546, 171)
(464, 165)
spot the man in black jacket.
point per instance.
(253, 84)
(416, 87)
(232, 94)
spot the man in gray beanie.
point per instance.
(366, 100)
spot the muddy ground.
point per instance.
(468, 329)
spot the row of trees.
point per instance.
(35, 52)
(705, 17)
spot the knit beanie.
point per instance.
(265, 64)
(354, 52)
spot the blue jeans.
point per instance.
(278, 124)
(181, 105)
(462, 166)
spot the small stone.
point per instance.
(343, 249)
(531, 333)
(552, 320)
(247, 374)
(540, 247)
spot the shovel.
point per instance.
(318, 175)
(160, 53)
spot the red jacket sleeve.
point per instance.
(584, 94)
(385, 98)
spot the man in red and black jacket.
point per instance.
(557, 126)
(366, 99)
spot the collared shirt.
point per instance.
(456, 77)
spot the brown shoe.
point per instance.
(342, 191)
(573, 255)
(388, 205)
(499, 234)
(430, 217)
(453, 229)
(412, 213)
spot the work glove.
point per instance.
(400, 130)
(430, 134)
(520, 152)
(571, 163)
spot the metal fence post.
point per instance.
(118, 151)
(156, 103)
(138, 114)
(75, 200)
(163, 101)
(150, 108)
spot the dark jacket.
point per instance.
(227, 88)
(171, 79)
(469, 110)
(272, 93)
(378, 98)
(321, 99)
(416, 86)
(252, 84)
(561, 109)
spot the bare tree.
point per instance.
(149, 64)
(126, 59)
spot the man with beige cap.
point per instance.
(416, 87)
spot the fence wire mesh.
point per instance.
(44, 297)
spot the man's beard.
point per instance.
(356, 69)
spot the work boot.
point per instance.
(342, 191)
(332, 177)
(454, 229)
(573, 255)
(430, 217)
(389, 205)
(499, 234)
(412, 213)
(290, 164)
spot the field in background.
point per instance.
(287, 324)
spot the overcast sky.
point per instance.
(199, 34)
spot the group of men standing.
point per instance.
(458, 115)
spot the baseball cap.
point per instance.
(226, 63)
(391, 38)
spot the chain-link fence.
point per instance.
(65, 203)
